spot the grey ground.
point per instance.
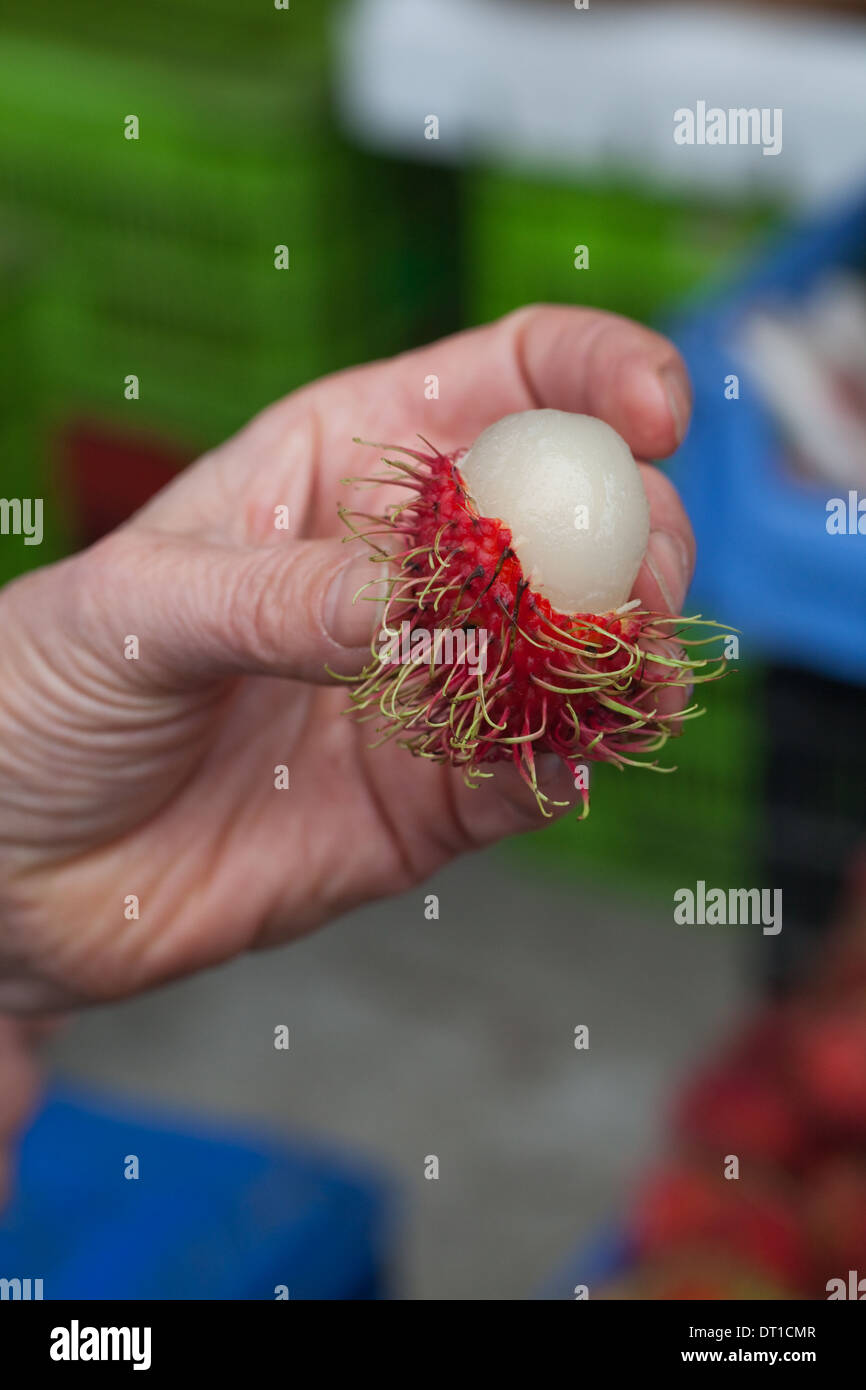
(412, 1037)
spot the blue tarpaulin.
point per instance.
(215, 1212)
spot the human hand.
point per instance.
(154, 777)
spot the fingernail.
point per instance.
(349, 616)
(668, 562)
(678, 398)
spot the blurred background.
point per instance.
(431, 167)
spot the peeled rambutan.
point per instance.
(503, 638)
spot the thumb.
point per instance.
(202, 611)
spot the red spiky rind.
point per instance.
(584, 686)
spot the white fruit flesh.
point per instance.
(571, 494)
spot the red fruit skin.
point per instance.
(692, 1276)
(587, 687)
(744, 1103)
(835, 1206)
(688, 1209)
(749, 1115)
(828, 1066)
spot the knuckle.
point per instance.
(261, 613)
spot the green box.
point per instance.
(646, 249)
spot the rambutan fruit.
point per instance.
(828, 1066)
(506, 628)
(835, 1204)
(743, 1101)
(686, 1209)
(727, 1111)
(693, 1276)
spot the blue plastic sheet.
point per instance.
(216, 1213)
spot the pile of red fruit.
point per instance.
(787, 1100)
